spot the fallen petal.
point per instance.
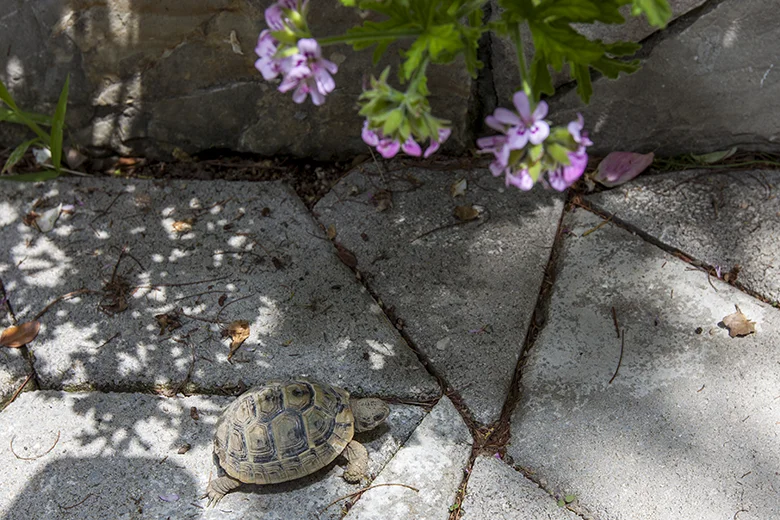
(19, 335)
(620, 167)
(738, 324)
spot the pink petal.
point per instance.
(369, 136)
(309, 48)
(620, 167)
(388, 148)
(495, 124)
(539, 132)
(519, 180)
(506, 116)
(273, 17)
(518, 137)
(540, 112)
(411, 147)
(522, 105)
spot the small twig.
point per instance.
(231, 303)
(72, 172)
(445, 226)
(700, 389)
(615, 320)
(61, 298)
(197, 294)
(79, 503)
(155, 286)
(593, 229)
(104, 212)
(709, 280)
(18, 390)
(360, 492)
(109, 340)
(37, 456)
(620, 359)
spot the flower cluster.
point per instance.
(300, 61)
(388, 147)
(527, 147)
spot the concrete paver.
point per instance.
(722, 219)
(116, 456)
(431, 461)
(465, 291)
(688, 427)
(14, 370)
(495, 491)
(253, 253)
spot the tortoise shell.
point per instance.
(283, 430)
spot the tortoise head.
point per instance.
(369, 413)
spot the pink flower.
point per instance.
(388, 148)
(527, 126)
(410, 147)
(433, 147)
(567, 174)
(519, 179)
(266, 48)
(308, 73)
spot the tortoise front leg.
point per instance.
(357, 462)
(218, 488)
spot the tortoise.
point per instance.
(284, 430)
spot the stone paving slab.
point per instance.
(688, 428)
(465, 291)
(253, 253)
(115, 456)
(722, 219)
(495, 491)
(432, 461)
(14, 369)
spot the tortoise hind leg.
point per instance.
(218, 488)
(357, 462)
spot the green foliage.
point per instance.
(53, 141)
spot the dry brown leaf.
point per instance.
(183, 226)
(383, 199)
(184, 449)
(18, 335)
(221, 300)
(168, 322)
(458, 189)
(238, 331)
(738, 324)
(331, 232)
(466, 213)
(194, 413)
(346, 256)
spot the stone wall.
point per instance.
(148, 76)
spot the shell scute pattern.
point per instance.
(283, 431)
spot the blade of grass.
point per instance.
(18, 153)
(5, 97)
(8, 115)
(31, 177)
(57, 124)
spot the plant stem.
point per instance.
(524, 79)
(371, 38)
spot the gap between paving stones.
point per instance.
(706, 268)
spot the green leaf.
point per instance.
(9, 116)
(443, 39)
(569, 498)
(393, 121)
(611, 68)
(541, 80)
(348, 3)
(658, 12)
(581, 73)
(621, 48)
(57, 124)
(574, 11)
(713, 157)
(414, 57)
(18, 153)
(6, 98)
(45, 175)
(381, 48)
(559, 153)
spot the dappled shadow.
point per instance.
(687, 427)
(721, 219)
(463, 290)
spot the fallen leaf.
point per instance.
(194, 413)
(222, 299)
(234, 43)
(738, 324)
(458, 189)
(346, 256)
(30, 218)
(181, 155)
(383, 200)
(74, 158)
(168, 322)
(238, 331)
(331, 232)
(45, 221)
(620, 167)
(713, 157)
(732, 275)
(183, 226)
(184, 449)
(466, 213)
(18, 335)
